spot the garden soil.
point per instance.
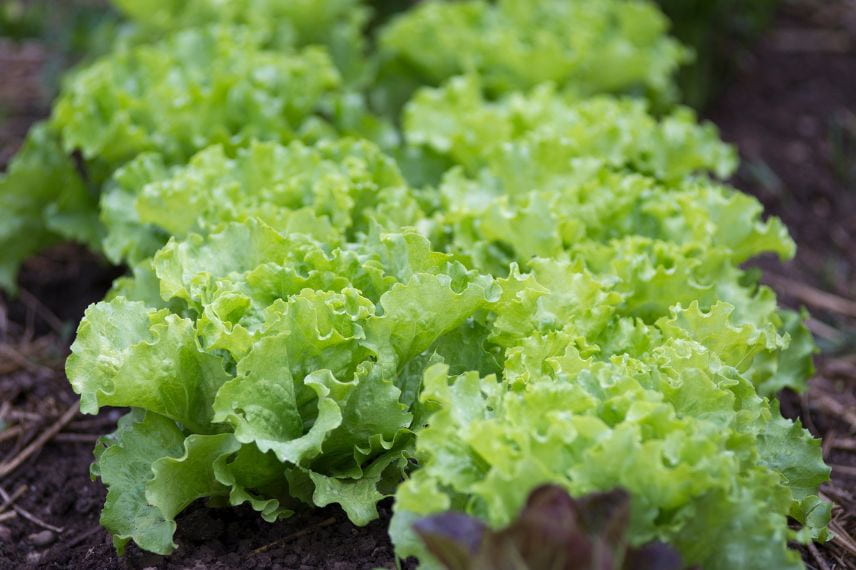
(791, 112)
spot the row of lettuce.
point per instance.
(449, 260)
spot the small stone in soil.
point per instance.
(5, 534)
(43, 538)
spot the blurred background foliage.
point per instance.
(70, 30)
(721, 32)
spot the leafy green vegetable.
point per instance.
(552, 292)
(552, 532)
(332, 191)
(666, 419)
(457, 122)
(42, 197)
(558, 180)
(583, 47)
(635, 347)
(175, 97)
(336, 24)
(191, 90)
(289, 360)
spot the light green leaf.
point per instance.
(124, 463)
(128, 355)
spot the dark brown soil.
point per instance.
(792, 113)
(22, 95)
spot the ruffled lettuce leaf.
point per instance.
(518, 134)
(153, 469)
(43, 198)
(590, 398)
(174, 96)
(196, 88)
(337, 25)
(583, 47)
(332, 191)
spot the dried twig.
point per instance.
(807, 41)
(12, 498)
(46, 436)
(844, 470)
(108, 420)
(843, 444)
(807, 416)
(22, 415)
(826, 444)
(9, 433)
(6, 516)
(835, 408)
(27, 515)
(821, 563)
(81, 537)
(843, 538)
(824, 331)
(305, 531)
(77, 437)
(22, 361)
(844, 367)
(841, 496)
(26, 434)
(25, 416)
(811, 296)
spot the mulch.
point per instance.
(791, 112)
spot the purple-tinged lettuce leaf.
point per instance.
(552, 532)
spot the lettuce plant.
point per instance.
(590, 399)
(198, 87)
(554, 292)
(603, 184)
(458, 123)
(332, 191)
(42, 196)
(583, 47)
(195, 88)
(635, 347)
(288, 360)
(286, 375)
(337, 25)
